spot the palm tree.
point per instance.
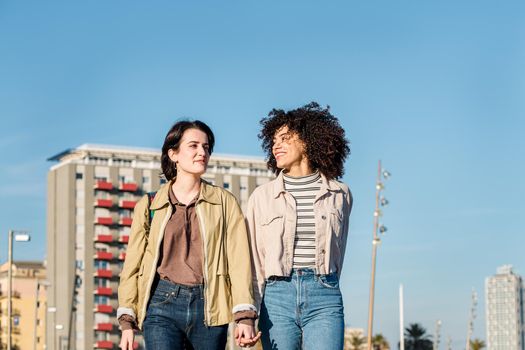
(356, 341)
(416, 338)
(379, 342)
(477, 344)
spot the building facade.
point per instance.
(28, 305)
(504, 310)
(92, 191)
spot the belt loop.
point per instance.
(177, 290)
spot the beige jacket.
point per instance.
(271, 218)
(227, 271)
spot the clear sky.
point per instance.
(433, 88)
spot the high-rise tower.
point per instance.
(504, 310)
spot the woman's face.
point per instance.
(193, 154)
(288, 149)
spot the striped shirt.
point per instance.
(304, 189)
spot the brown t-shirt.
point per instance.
(181, 258)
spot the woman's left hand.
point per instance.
(245, 335)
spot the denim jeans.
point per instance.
(303, 311)
(175, 320)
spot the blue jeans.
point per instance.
(303, 311)
(175, 320)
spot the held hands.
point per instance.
(245, 335)
(126, 341)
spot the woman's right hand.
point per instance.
(126, 341)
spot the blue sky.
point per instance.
(435, 89)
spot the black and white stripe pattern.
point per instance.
(304, 189)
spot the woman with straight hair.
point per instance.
(298, 227)
(187, 270)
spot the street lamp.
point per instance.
(382, 174)
(20, 236)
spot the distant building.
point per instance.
(91, 195)
(28, 305)
(504, 310)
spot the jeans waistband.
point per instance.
(167, 285)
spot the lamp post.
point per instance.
(20, 236)
(380, 201)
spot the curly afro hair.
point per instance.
(323, 136)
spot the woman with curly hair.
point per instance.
(298, 227)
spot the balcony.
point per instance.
(104, 344)
(101, 255)
(103, 273)
(104, 238)
(104, 203)
(103, 185)
(107, 327)
(104, 309)
(122, 256)
(104, 220)
(103, 291)
(127, 204)
(125, 221)
(128, 187)
(123, 239)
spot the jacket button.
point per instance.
(322, 251)
(323, 217)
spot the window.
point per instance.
(79, 176)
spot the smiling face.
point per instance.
(289, 151)
(193, 153)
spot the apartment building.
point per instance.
(28, 305)
(504, 310)
(92, 191)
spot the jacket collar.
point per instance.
(326, 185)
(208, 193)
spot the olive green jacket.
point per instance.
(226, 254)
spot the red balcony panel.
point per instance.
(103, 291)
(104, 238)
(129, 187)
(104, 344)
(126, 221)
(100, 255)
(127, 204)
(122, 256)
(103, 273)
(105, 309)
(124, 239)
(103, 185)
(104, 220)
(104, 203)
(104, 327)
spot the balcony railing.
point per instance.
(103, 308)
(127, 204)
(103, 291)
(128, 187)
(103, 238)
(104, 220)
(103, 344)
(103, 185)
(101, 255)
(122, 256)
(104, 203)
(125, 221)
(123, 239)
(103, 273)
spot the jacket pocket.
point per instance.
(271, 219)
(336, 221)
